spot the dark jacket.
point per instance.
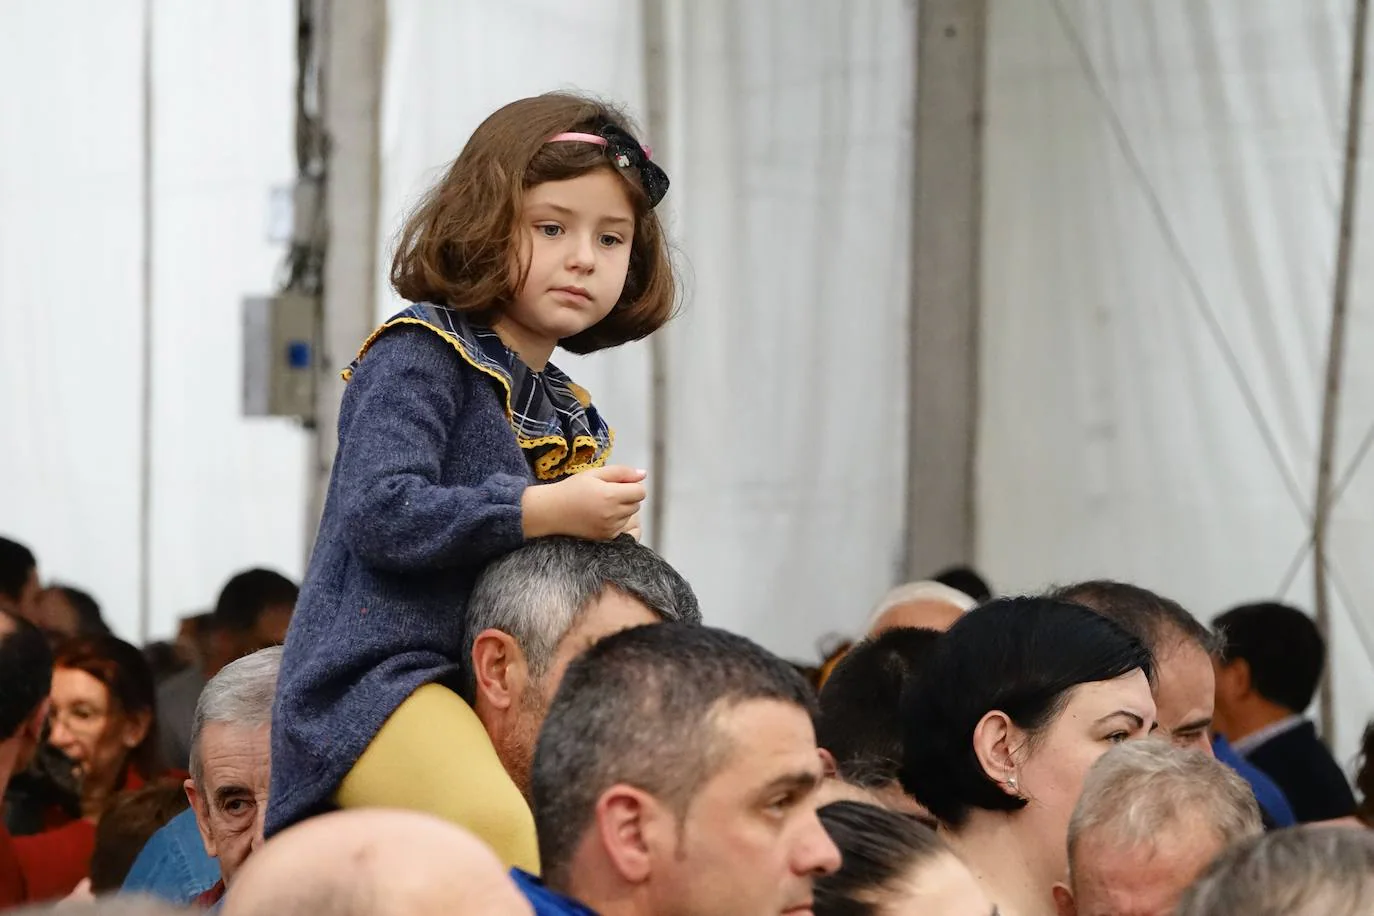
(1309, 776)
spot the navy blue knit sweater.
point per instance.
(426, 489)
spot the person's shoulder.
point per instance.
(547, 902)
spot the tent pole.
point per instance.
(1335, 356)
(145, 470)
(654, 16)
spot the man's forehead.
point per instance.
(766, 739)
(608, 613)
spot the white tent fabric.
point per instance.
(1162, 187)
(227, 491)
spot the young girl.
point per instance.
(542, 234)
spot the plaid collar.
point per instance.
(552, 417)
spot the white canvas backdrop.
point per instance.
(228, 492)
(1162, 186)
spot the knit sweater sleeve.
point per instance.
(401, 406)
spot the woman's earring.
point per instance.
(1011, 784)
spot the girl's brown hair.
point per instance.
(457, 247)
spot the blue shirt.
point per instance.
(173, 865)
(545, 901)
(1271, 799)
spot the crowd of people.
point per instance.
(1094, 750)
(487, 696)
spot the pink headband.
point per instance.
(626, 153)
(593, 138)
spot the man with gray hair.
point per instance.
(230, 769)
(1150, 819)
(534, 610)
(1312, 871)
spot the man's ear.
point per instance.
(200, 805)
(1242, 683)
(499, 666)
(629, 824)
(1063, 900)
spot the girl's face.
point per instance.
(576, 243)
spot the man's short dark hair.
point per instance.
(966, 580)
(860, 722)
(17, 563)
(636, 709)
(1281, 645)
(25, 671)
(1153, 619)
(90, 622)
(248, 594)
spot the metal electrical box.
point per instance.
(279, 355)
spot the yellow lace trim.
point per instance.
(547, 466)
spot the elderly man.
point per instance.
(927, 605)
(401, 863)
(1316, 871)
(1150, 819)
(230, 769)
(677, 773)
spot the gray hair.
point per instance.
(241, 694)
(1307, 871)
(536, 593)
(1135, 792)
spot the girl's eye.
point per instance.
(551, 231)
(1118, 737)
(610, 241)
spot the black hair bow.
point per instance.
(627, 153)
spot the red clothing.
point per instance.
(13, 889)
(54, 862)
(211, 897)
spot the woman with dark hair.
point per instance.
(892, 865)
(103, 718)
(1015, 703)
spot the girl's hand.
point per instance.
(632, 528)
(597, 504)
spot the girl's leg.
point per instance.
(433, 755)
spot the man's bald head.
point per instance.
(922, 605)
(374, 862)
